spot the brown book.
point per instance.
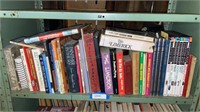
(32, 68)
(91, 62)
(128, 75)
(48, 102)
(191, 74)
(135, 72)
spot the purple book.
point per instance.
(85, 72)
(107, 71)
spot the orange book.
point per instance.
(58, 71)
(32, 68)
(120, 71)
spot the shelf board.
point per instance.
(66, 15)
(116, 98)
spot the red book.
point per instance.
(33, 82)
(78, 69)
(91, 62)
(148, 73)
(187, 76)
(128, 75)
(120, 71)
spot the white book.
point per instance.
(176, 108)
(128, 35)
(21, 72)
(26, 69)
(144, 74)
(114, 106)
(124, 43)
(125, 107)
(137, 108)
(101, 106)
(36, 53)
(119, 107)
(130, 107)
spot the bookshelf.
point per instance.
(17, 17)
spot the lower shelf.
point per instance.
(116, 98)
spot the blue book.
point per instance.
(46, 74)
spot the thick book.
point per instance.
(107, 71)
(11, 52)
(125, 43)
(21, 73)
(98, 59)
(141, 72)
(135, 72)
(148, 73)
(54, 34)
(128, 75)
(91, 61)
(70, 66)
(120, 71)
(114, 70)
(36, 53)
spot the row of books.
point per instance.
(101, 106)
(114, 62)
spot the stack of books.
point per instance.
(114, 61)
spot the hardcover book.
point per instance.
(114, 70)
(107, 72)
(128, 75)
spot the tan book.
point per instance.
(74, 103)
(55, 103)
(130, 107)
(159, 107)
(135, 72)
(60, 103)
(101, 106)
(97, 104)
(69, 102)
(119, 107)
(164, 107)
(48, 102)
(192, 67)
(92, 105)
(107, 107)
(81, 106)
(144, 74)
(42, 102)
(125, 107)
(65, 103)
(146, 107)
(114, 106)
(86, 106)
(176, 108)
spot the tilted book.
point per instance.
(125, 43)
(107, 72)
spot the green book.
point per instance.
(141, 72)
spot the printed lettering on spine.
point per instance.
(105, 54)
(91, 62)
(114, 70)
(70, 66)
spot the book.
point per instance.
(120, 71)
(91, 62)
(124, 107)
(148, 73)
(97, 34)
(21, 72)
(70, 65)
(107, 107)
(124, 43)
(130, 107)
(119, 107)
(114, 106)
(114, 70)
(135, 72)
(54, 34)
(144, 74)
(101, 106)
(191, 74)
(137, 108)
(141, 72)
(107, 72)
(128, 75)
(11, 52)
(36, 53)
(146, 107)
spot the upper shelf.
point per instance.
(107, 16)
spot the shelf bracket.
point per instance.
(195, 103)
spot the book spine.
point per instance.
(187, 76)
(91, 62)
(21, 72)
(128, 76)
(106, 65)
(33, 81)
(160, 66)
(60, 58)
(46, 79)
(10, 54)
(120, 71)
(127, 44)
(70, 64)
(148, 73)
(78, 69)
(144, 74)
(51, 36)
(164, 66)
(141, 72)
(26, 68)
(114, 70)
(81, 68)
(36, 54)
(135, 72)
(85, 72)
(99, 64)
(153, 65)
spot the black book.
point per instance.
(114, 70)
(70, 66)
(97, 34)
